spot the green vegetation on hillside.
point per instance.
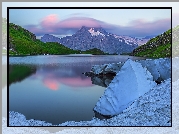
(158, 47)
(23, 42)
(157, 52)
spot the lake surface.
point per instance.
(53, 88)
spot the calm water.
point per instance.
(53, 88)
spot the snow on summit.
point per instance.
(93, 33)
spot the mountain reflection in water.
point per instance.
(50, 76)
(53, 88)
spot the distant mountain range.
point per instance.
(93, 40)
(149, 37)
(88, 38)
(23, 42)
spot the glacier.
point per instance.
(131, 82)
(160, 68)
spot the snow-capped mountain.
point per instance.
(88, 38)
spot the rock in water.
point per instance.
(131, 82)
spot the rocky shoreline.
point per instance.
(151, 109)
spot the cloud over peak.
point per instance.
(51, 24)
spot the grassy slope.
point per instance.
(157, 47)
(23, 42)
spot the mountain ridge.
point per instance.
(23, 42)
(88, 38)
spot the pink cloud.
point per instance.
(78, 22)
(49, 21)
(51, 24)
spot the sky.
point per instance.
(64, 22)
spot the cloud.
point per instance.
(51, 24)
(78, 15)
(143, 28)
(49, 21)
(77, 22)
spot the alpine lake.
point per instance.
(54, 89)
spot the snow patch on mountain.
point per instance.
(132, 40)
(93, 33)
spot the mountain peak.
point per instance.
(49, 38)
(95, 37)
(84, 27)
(94, 31)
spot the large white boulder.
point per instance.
(131, 82)
(159, 68)
(151, 67)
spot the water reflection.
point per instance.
(53, 88)
(17, 73)
(51, 84)
(53, 76)
(55, 94)
(4, 76)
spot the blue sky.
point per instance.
(113, 16)
(62, 22)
